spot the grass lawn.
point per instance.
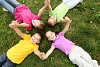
(84, 31)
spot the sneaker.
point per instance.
(5, 9)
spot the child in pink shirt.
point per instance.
(23, 15)
(76, 54)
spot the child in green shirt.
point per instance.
(60, 11)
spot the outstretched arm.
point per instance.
(49, 6)
(67, 21)
(16, 24)
(48, 53)
(17, 30)
(38, 53)
(22, 25)
(41, 11)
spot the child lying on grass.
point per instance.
(75, 53)
(23, 15)
(16, 54)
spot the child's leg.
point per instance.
(8, 63)
(3, 58)
(72, 3)
(7, 6)
(95, 64)
(14, 3)
(87, 57)
(76, 58)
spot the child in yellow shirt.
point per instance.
(16, 54)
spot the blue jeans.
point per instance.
(5, 62)
(10, 5)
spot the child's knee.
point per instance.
(76, 59)
(73, 59)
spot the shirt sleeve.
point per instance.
(30, 27)
(36, 47)
(26, 36)
(53, 44)
(51, 13)
(60, 34)
(38, 17)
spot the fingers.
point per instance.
(68, 20)
(42, 56)
(13, 24)
(47, 2)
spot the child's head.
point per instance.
(38, 24)
(36, 38)
(51, 35)
(52, 21)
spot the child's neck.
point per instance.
(55, 38)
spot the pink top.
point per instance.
(23, 14)
(63, 44)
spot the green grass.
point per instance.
(84, 31)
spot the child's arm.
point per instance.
(16, 24)
(41, 11)
(48, 53)
(19, 32)
(22, 25)
(67, 21)
(38, 53)
(49, 6)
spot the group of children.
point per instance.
(25, 18)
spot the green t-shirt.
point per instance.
(60, 11)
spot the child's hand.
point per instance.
(42, 56)
(16, 23)
(13, 24)
(47, 2)
(67, 20)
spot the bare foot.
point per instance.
(99, 66)
(5, 10)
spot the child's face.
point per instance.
(50, 35)
(52, 21)
(36, 23)
(36, 38)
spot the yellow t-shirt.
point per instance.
(21, 50)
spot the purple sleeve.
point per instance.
(60, 34)
(53, 44)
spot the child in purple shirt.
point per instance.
(23, 15)
(76, 54)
